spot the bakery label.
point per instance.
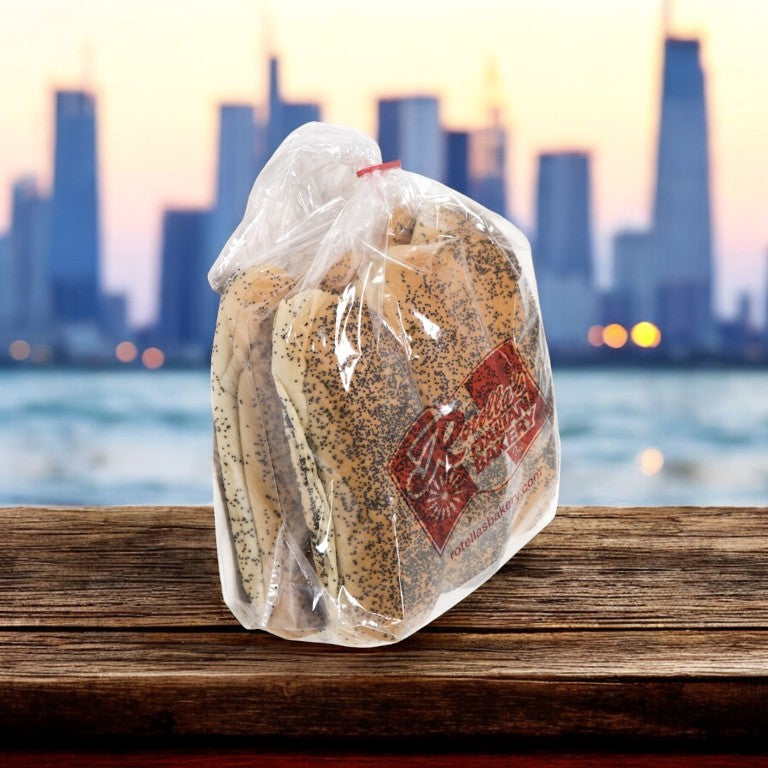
(448, 456)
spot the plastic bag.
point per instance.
(385, 436)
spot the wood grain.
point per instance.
(552, 685)
(591, 568)
(573, 655)
(637, 625)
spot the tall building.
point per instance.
(563, 215)
(6, 292)
(184, 329)
(457, 161)
(239, 159)
(488, 151)
(634, 285)
(475, 165)
(682, 214)
(738, 336)
(284, 116)
(744, 311)
(275, 108)
(114, 316)
(74, 234)
(765, 303)
(487, 163)
(296, 113)
(236, 171)
(28, 279)
(410, 131)
(563, 250)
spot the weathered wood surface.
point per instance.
(592, 567)
(640, 624)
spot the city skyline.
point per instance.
(663, 274)
(589, 81)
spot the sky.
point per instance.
(573, 74)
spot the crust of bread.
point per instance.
(479, 290)
(257, 479)
(349, 399)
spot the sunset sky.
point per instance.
(573, 74)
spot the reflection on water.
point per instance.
(704, 434)
(134, 437)
(144, 437)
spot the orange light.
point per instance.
(615, 335)
(595, 336)
(650, 461)
(126, 351)
(152, 357)
(19, 349)
(646, 334)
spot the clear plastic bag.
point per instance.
(385, 436)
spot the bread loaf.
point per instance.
(457, 299)
(383, 406)
(257, 480)
(348, 398)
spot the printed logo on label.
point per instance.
(448, 456)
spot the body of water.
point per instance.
(139, 437)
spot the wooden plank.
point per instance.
(689, 685)
(640, 624)
(591, 568)
(110, 566)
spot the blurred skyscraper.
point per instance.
(284, 116)
(765, 305)
(74, 233)
(410, 131)
(634, 281)
(114, 316)
(6, 291)
(563, 250)
(457, 161)
(275, 108)
(29, 307)
(681, 215)
(488, 152)
(487, 163)
(236, 170)
(241, 151)
(185, 331)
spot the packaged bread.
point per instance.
(385, 435)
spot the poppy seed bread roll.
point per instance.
(273, 491)
(349, 399)
(249, 291)
(455, 295)
(255, 477)
(427, 305)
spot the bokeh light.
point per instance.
(646, 334)
(19, 349)
(650, 461)
(595, 335)
(152, 357)
(615, 335)
(126, 351)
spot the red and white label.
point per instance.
(447, 456)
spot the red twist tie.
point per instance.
(379, 167)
